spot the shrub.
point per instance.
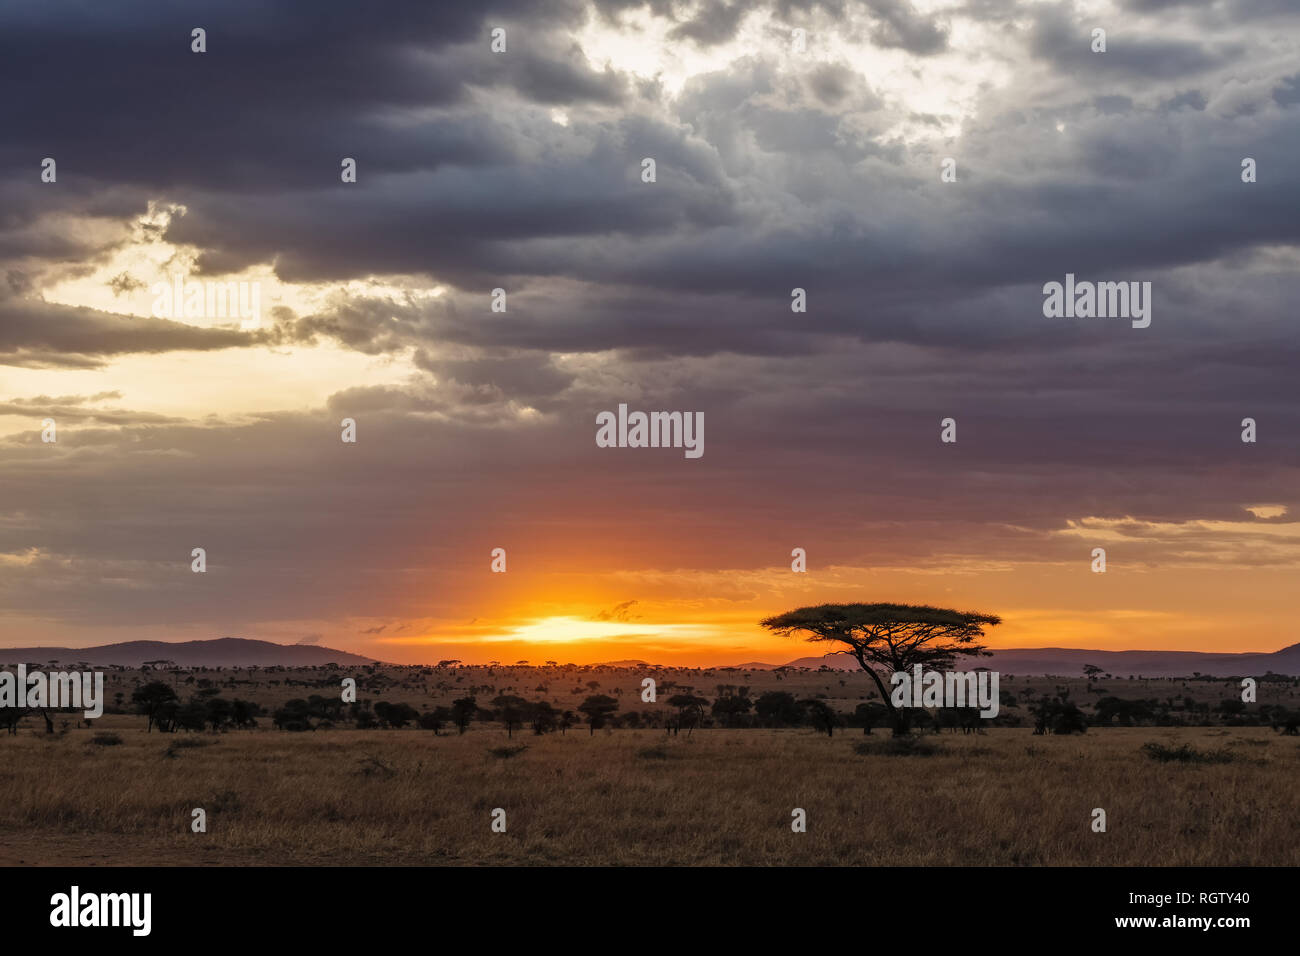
(895, 747)
(374, 767)
(1184, 754)
(184, 743)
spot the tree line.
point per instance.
(734, 708)
(684, 712)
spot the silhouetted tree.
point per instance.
(295, 715)
(690, 711)
(598, 708)
(1284, 722)
(888, 638)
(395, 715)
(544, 716)
(1058, 716)
(1126, 712)
(193, 714)
(732, 709)
(777, 707)
(820, 715)
(150, 699)
(219, 712)
(244, 712)
(869, 714)
(462, 712)
(511, 711)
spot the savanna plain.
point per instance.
(116, 793)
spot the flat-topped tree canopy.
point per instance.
(890, 637)
(897, 636)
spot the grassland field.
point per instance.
(115, 794)
(1004, 797)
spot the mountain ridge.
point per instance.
(1063, 661)
(1147, 663)
(214, 652)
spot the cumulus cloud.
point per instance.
(44, 335)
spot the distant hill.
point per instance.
(1068, 662)
(837, 662)
(1061, 661)
(221, 652)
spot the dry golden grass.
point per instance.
(638, 797)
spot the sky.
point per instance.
(779, 165)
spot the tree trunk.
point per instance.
(895, 718)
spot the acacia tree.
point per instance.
(462, 712)
(151, 700)
(545, 718)
(512, 711)
(10, 716)
(689, 708)
(598, 708)
(820, 715)
(887, 638)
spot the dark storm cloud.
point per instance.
(1220, 12)
(842, 450)
(1155, 6)
(714, 22)
(899, 25)
(62, 413)
(1106, 194)
(562, 78)
(760, 184)
(529, 377)
(1065, 41)
(1287, 93)
(611, 10)
(282, 93)
(831, 83)
(459, 223)
(789, 10)
(42, 335)
(924, 298)
(1190, 99)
